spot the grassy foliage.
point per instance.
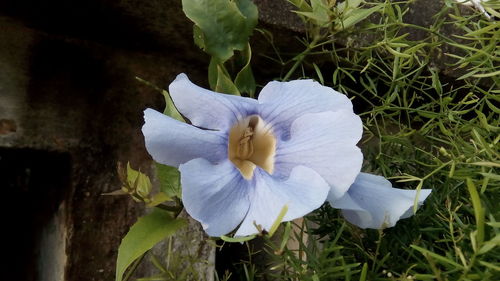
(423, 128)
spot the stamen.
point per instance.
(245, 146)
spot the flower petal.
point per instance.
(326, 143)
(207, 109)
(372, 202)
(280, 103)
(172, 143)
(304, 191)
(215, 195)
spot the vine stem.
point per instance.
(300, 57)
(134, 266)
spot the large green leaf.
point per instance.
(170, 180)
(223, 25)
(143, 235)
(250, 11)
(198, 37)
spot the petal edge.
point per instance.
(207, 109)
(304, 191)
(214, 195)
(172, 143)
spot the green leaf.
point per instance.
(481, 31)
(486, 164)
(224, 83)
(320, 19)
(478, 210)
(143, 235)
(484, 121)
(301, 4)
(212, 73)
(441, 259)
(139, 181)
(492, 11)
(318, 72)
(250, 11)
(492, 176)
(320, 13)
(487, 246)
(224, 25)
(170, 180)
(346, 7)
(489, 74)
(490, 265)
(245, 81)
(158, 198)
(198, 37)
(285, 236)
(357, 16)
(396, 53)
(278, 220)
(237, 239)
(364, 272)
(170, 109)
(115, 192)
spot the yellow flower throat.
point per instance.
(251, 144)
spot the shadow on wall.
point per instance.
(35, 184)
(81, 102)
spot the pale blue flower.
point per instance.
(242, 160)
(372, 202)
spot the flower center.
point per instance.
(251, 144)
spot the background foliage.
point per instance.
(422, 129)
